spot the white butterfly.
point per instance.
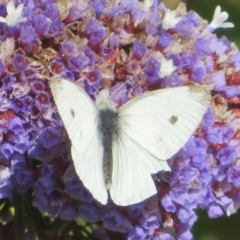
(118, 149)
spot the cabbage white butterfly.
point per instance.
(117, 150)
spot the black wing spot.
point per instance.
(72, 113)
(173, 119)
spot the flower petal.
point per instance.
(18, 11)
(2, 19)
(10, 8)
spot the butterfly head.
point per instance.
(102, 100)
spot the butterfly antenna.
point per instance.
(126, 82)
(91, 84)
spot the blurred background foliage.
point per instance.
(223, 228)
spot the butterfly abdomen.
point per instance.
(108, 126)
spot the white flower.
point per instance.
(14, 15)
(147, 4)
(4, 172)
(7, 48)
(167, 68)
(170, 20)
(219, 19)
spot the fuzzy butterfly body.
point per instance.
(118, 149)
(109, 131)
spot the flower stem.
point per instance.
(19, 216)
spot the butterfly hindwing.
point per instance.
(132, 169)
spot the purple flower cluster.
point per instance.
(91, 42)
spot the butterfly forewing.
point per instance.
(80, 118)
(162, 121)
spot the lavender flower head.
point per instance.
(135, 47)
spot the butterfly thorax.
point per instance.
(108, 125)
